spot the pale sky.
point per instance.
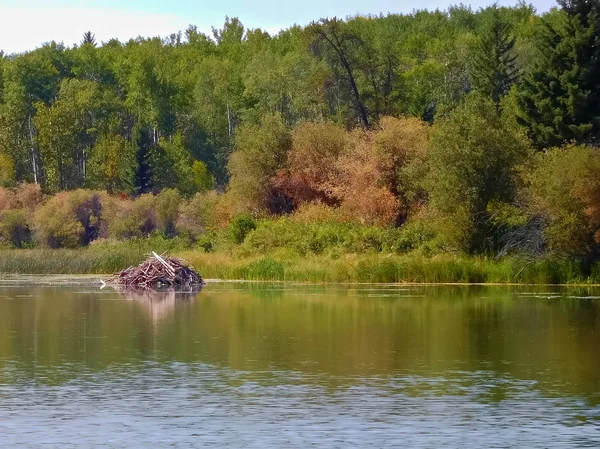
(25, 25)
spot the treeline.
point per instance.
(470, 131)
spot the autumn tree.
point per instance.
(315, 149)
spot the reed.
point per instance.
(112, 257)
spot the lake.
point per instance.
(255, 365)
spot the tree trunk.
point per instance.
(33, 155)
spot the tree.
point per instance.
(112, 165)
(334, 40)
(261, 150)
(7, 171)
(494, 63)
(69, 128)
(88, 39)
(560, 98)
(564, 191)
(142, 180)
(315, 148)
(473, 162)
(172, 166)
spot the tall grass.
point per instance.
(110, 257)
(391, 269)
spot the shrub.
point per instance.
(357, 183)
(318, 212)
(401, 147)
(167, 211)
(28, 196)
(564, 189)
(23, 196)
(7, 199)
(136, 218)
(198, 215)
(14, 227)
(474, 160)
(261, 150)
(239, 228)
(315, 148)
(69, 219)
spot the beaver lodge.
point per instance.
(159, 273)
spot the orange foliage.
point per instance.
(23, 196)
(398, 143)
(357, 183)
(315, 148)
(369, 174)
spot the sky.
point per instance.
(25, 25)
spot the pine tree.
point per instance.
(143, 171)
(494, 67)
(560, 99)
(89, 38)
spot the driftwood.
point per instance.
(159, 273)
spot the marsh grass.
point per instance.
(391, 269)
(109, 257)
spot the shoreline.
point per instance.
(9, 279)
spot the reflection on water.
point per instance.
(258, 365)
(159, 303)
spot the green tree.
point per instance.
(261, 150)
(339, 45)
(7, 171)
(88, 38)
(172, 166)
(564, 191)
(112, 164)
(68, 130)
(473, 162)
(494, 67)
(560, 98)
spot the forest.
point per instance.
(454, 132)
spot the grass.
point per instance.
(110, 257)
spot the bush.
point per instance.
(14, 227)
(239, 228)
(315, 148)
(564, 190)
(261, 150)
(69, 219)
(474, 160)
(357, 183)
(28, 196)
(318, 212)
(23, 196)
(198, 215)
(401, 146)
(136, 218)
(167, 211)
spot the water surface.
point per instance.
(260, 365)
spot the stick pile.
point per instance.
(158, 273)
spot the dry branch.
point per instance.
(158, 273)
